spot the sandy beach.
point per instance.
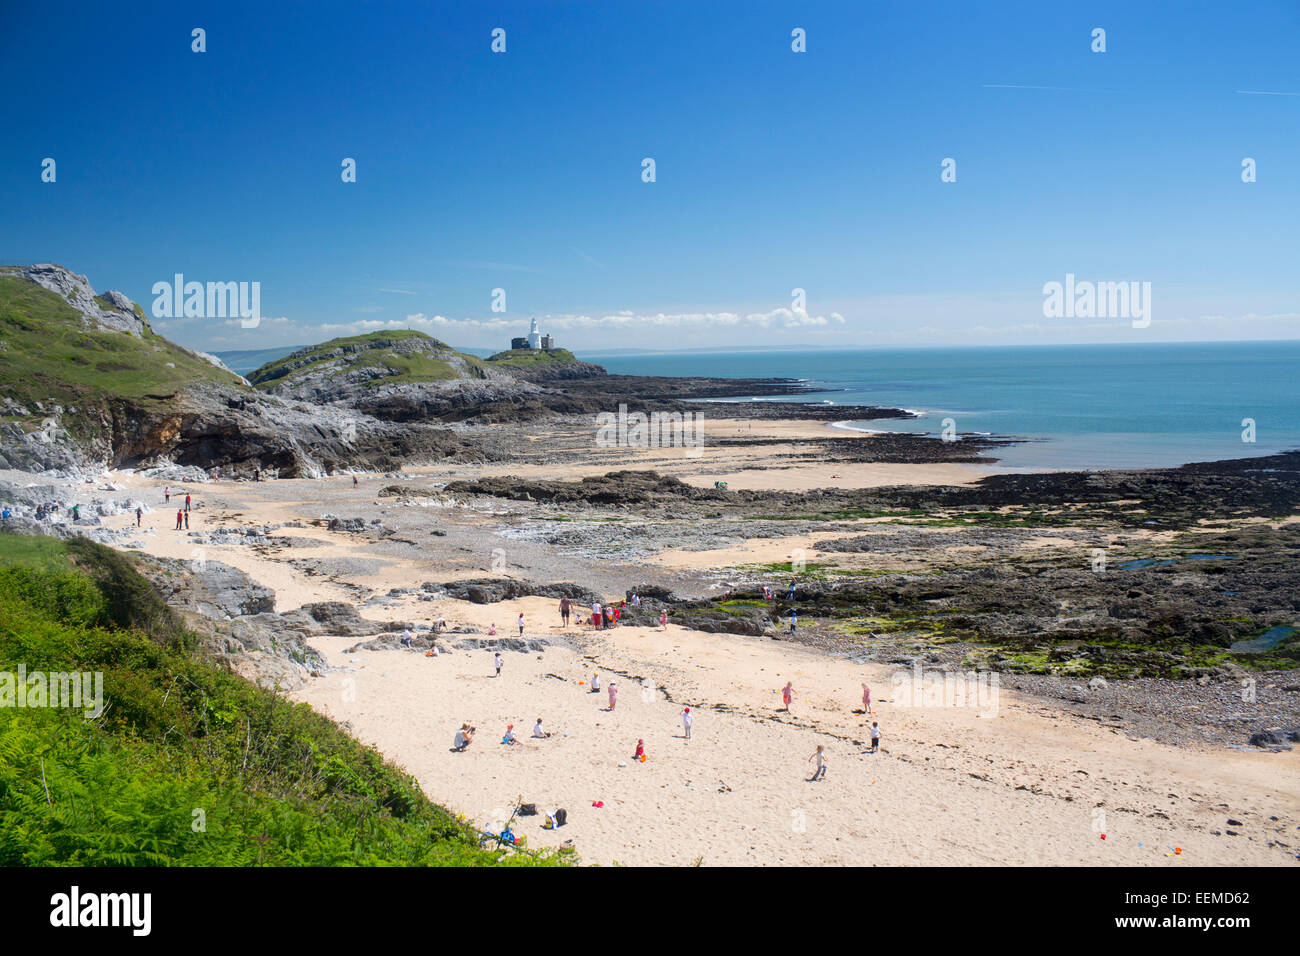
(1014, 780)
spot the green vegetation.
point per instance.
(532, 358)
(48, 355)
(404, 354)
(189, 764)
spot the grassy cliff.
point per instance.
(395, 357)
(188, 764)
(50, 354)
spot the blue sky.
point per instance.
(775, 170)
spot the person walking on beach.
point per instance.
(663, 620)
(794, 620)
(178, 520)
(613, 694)
(167, 495)
(787, 694)
(354, 481)
(875, 736)
(187, 520)
(497, 661)
(820, 756)
(564, 612)
(790, 594)
(866, 698)
(139, 513)
(521, 623)
(187, 502)
(687, 720)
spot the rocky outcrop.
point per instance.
(108, 312)
(492, 590)
(237, 620)
(614, 488)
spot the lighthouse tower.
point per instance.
(534, 336)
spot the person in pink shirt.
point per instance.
(613, 694)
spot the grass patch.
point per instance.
(189, 764)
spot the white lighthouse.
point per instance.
(534, 336)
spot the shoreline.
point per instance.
(1021, 787)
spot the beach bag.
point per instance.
(561, 817)
(528, 809)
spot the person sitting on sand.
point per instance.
(510, 737)
(464, 737)
(406, 637)
(595, 683)
(640, 750)
(820, 756)
(538, 732)
(492, 630)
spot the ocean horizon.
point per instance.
(1075, 406)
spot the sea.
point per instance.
(1078, 407)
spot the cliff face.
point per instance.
(86, 383)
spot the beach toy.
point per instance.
(643, 758)
(1103, 836)
(598, 803)
(622, 763)
(1178, 851)
(581, 682)
(428, 653)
